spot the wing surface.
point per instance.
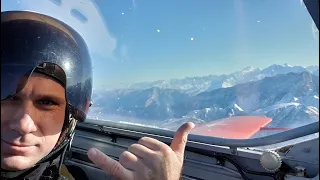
(239, 127)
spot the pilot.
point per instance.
(46, 86)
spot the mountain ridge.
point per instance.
(287, 98)
(196, 85)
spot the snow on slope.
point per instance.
(290, 99)
(196, 85)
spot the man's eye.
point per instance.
(47, 102)
(10, 99)
(13, 98)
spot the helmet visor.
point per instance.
(57, 51)
(13, 78)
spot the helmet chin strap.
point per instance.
(64, 138)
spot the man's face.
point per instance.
(31, 122)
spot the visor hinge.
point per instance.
(49, 69)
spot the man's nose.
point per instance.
(23, 123)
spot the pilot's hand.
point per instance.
(149, 159)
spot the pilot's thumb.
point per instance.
(180, 139)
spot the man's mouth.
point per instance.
(15, 144)
(17, 148)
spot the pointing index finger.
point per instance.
(109, 165)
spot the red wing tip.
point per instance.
(239, 127)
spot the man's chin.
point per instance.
(16, 163)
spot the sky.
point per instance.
(144, 40)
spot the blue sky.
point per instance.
(144, 40)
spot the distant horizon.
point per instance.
(141, 82)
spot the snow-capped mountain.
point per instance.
(262, 93)
(289, 99)
(289, 115)
(313, 68)
(148, 104)
(196, 85)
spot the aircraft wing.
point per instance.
(239, 127)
